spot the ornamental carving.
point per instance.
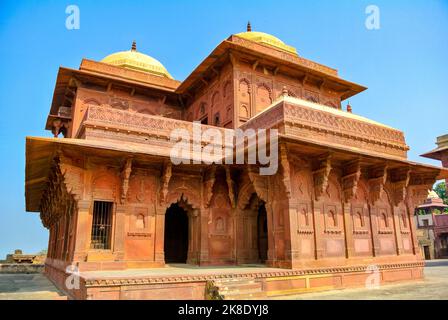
(350, 178)
(321, 173)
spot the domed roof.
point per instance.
(135, 60)
(267, 39)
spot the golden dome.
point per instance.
(266, 39)
(137, 61)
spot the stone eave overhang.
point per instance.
(276, 56)
(40, 153)
(96, 73)
(435, 154)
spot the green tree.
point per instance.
(440, 189)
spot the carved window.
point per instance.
(263, 98)
(384, 221)
(101, 225)
(217, 120)
(140, 222)
(404, 220)
(306, 218)
(220, 226)
(359, 219)
(202, 108)
(244, 111)
(332, 219)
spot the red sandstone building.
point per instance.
(342, 199)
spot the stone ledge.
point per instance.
(21, 268)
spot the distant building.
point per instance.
(441, 152)
(432, 227)
(18, 257)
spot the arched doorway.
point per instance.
(262, 232)
(176, 235)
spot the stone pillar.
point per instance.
(203, 245)
(292, 228)
(348, 230)
(413, 229)
(397, 231)
(272, 254)
(318, 229)
(83, 231)
(120, 231)
(159, 235)
(374, 230)
(193, 237)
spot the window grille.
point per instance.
(102, 225)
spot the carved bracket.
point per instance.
(399, 181)
(209, 181)
(321, 172)
(286, 169)
(231, 187)
(377, 177)
(350, 178)
(260, 183)
(167, 171)
(125, 174)
(418, 187)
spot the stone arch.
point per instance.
(244, 111)
(184, 197)
(245, 194)
(226, 89)
(91, 101)
(263, 97)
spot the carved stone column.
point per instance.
(348, 230)
(203, 249)
(120, 231)
(159, 235)
(83, 230)
(193, 237)
(349, 182)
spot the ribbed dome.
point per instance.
(135, 60)
(267, 39)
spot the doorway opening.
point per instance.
(427, 253)
(176, 235)
(262, 230)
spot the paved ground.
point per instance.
(433, 287)
(27, 287)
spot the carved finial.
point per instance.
(349, 107)
(285, 92)
(249, 28)
(134, 46)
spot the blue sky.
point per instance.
(404, 64)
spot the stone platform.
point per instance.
(180, 281)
